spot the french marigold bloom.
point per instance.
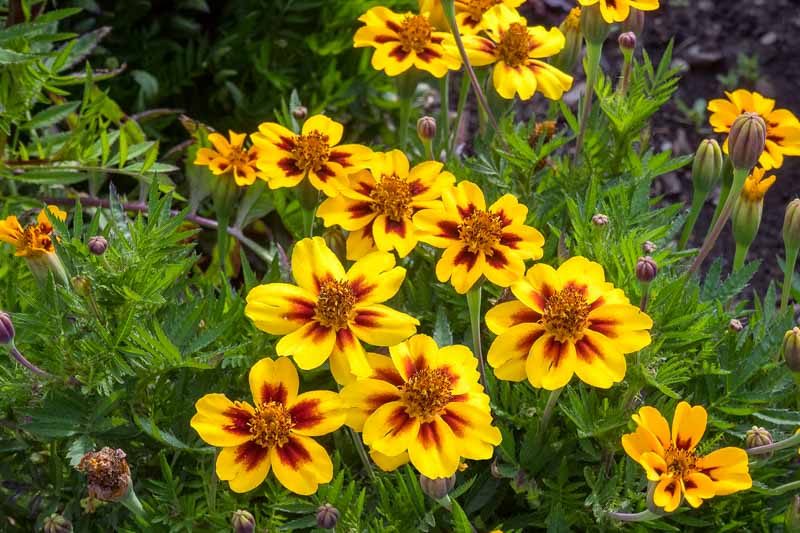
(275, 432)
(230, 157)
(494, 242)
(756, 186)
(427, 402)
(564, 322)
(618, 10)
(403, 40)
(34, 239)
(377, 205)
(517, 52)
(330, 311)
(783, 127)
(671, 459)
(286, 158)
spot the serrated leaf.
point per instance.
(52, 115)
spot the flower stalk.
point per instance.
(594, 52)
(547, 414)
(474, 305)
(644, 516)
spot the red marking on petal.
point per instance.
(428, 54)
(459, 397)
(526, 342)
(381, 39)
(250, 455)
(223, 166)
(367, 318)
(555, 351)
(274, 392)
(457, 423)
(504, 220)
(428, 436)
(497, 260)
(301, 309)
(239, 420)
(511, 240)
(398, 53)
(393, 226)
(324, 173)
(466, 212)
(389, 375)
(392, 25)
(361, 287)
(417, 187)
(360, 209)
(597, 303)
(293, 454)
(465, 257)
(306, 414)
(376, 400)
(286, 144)
(435, 39)
(447, 229)
(527, 315)
(588, 350)
(345, 340)
(583, 289)
(289, 166)
(341, 157)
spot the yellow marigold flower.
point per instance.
(404, 40)
(618, 10)
(433, 9)
(230, 157)
(494, 242)
(426, 402)
(329, 312)
(469, 13)
(287, 158)
(377, 205)
(670, 459)
(517, 52)
(755, 186)
(564, 322)
(34, 239)
(783, 127)
(273, 433)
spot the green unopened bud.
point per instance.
(82, 286)
(707, 166)
(55, 523)
(791, 225)
(567, 59)
(635, 22)
(593, 27)
(757, 436)
(336, 241)
(6, 328)
(426, 129)
(437, 488)
(791, 349)
(746, 140)
(243, 522)
(791, 519)
(327, 516)
(746, 221)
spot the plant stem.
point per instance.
(739, 175)
(474, 305)
(594, 52)
(444, 114)
(788, 274)
(362, 453)
(462, 100)
(645, 298)
(644, 516)
(697, 205)
(548, 410)
(133, 504)
(739, 256)
(21, 359)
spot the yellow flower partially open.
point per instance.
(423, 404)
(671, 460)
(230, 157)
(564, 322)
(517, 52)
(619, 10)
(33, 239)
(273, 433)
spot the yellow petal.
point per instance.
(325, 126)
(514, 346)
(551, 364)
(688, 425)
(364, 397)
(462, 267)
(472, 429)
(418, 352)
(380, 325)
(313, 262)
(599, 363)
(388, 463)
(434, 450)
(374, 278)
(310, 345)
(623, 324)
(301, 465)
(244, 467)
(696, 488)
(654, 465)
(279, 308)
(317, 413)
(274, 381)
(221, 422)
(389, 429)
(667, 494)
(509, 314)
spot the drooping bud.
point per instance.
(635, 22)
(6, 328)
(791, 349)
(646, 269)
(627, 42)
(746, 140)
(600, 219)
(567, 59)
(97, 245)
(300, 112)
(735, 325)
(437, 488)
(55, 523)
(108, 474)
(426, 128)
(791, 225)
(327, 516)
(757, 436)
(707, 166)
(748, 210)
(791, 519)
(649, 247)
(593, 27)
(243, 522)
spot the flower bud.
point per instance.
(567, 59)
(748, 210)
(593, 27)
(635, 22)
(437, 488)
(300, 112)
(735, 325)
(627, 42)
(336, 241)
(791, 349)
(82, 286)
(426, 128)
(6, 328)
(757, 436)
(327, 516)
(649, 247)
(707, 166)
(791, 225)
(243, 522)
(97, 245)
(108, 474)
(791, 519)
(55, 523)
(746, 140)
(646, 269)
(600, 219)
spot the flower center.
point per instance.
(415, 33)
(311, 150)
(238, 157)
(515, 45)
(392, 197)
(271, 425)
(481, 231)
(476, 8)
(335, 304)
(566, 314)
(427, 392)
(35, 238)
(680, 463)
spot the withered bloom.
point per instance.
(108, 474)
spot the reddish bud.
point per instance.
(6, 328)
(327, 516)
(97, 245)
(646, 269)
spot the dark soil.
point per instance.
(709, 36)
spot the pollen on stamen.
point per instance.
(335, 303)
(392, 197)
(270, 425)
(566, 314)
(427, 393)
(481, 231)
(415, 33)
(515, 45)
(311, 151)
